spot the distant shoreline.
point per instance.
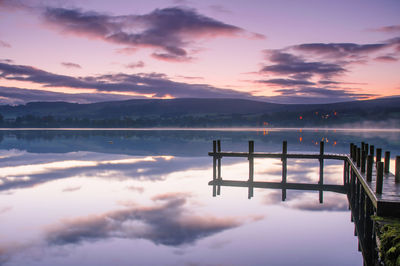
(210, 129)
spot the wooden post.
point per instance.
(284, 161)
(351, 150)
(284, 167)
(219, 166)
(219, 158)
(387, 161)
(357, 198)
(214, 160)
(363, 160)
(321, 163)
(358, 157)
(369, 211)
(378, 155)
(354, 153)
(397, 171)
(361, 212)
(379, 177)
(214, 167)
(362, 146)
(352, 184)
(369, 167)
(321, 170)
(372, 151)
(366, 149)
(251, 160)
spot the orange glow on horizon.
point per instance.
(167, 96)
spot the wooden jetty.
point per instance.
(363, 175)
(371, 189)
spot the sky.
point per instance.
(274, 51)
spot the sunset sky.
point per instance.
(275, 51)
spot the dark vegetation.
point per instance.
(389, 235)
(201, 113)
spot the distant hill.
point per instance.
(199, 112)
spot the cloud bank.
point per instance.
(312, 72)
(169, 32)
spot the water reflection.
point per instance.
(170, 222)
(75, 198)
(186, 143)
(28, 171)
(308, 201)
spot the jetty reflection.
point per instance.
(217, 181)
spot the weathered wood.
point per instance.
(351, 150)
(397, 170)
(219, 158)
(370, 163)
(379, 178)
(378, 155)
(372, 150)
(387, 161)
(357, 195)
(214, 159)
(251, 160)
(362, 212)
(279, 155)
(219, 165)
(366, 149)
(358, 157)
(363, 160)
(369, 245)
(284, 161)
(321, 164)
(358, 183)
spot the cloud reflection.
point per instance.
(27, 175)
(308, 201)
(332, 202)
(169, 222)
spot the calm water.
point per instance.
(141, 198)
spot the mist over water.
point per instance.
(140, 197)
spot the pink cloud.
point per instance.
(171, 30)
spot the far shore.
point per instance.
(215, 129)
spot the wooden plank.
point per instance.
(279, 155)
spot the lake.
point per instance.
(141, 197)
